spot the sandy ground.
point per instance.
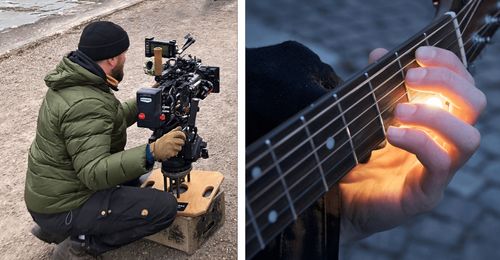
(214, 24)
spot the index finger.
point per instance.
(429, 56)
(179, 134)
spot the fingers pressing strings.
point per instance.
(443, 73)
(461, 144)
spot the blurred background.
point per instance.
(15, 13)
(27, 21)
(466, 224)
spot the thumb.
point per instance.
(376, 54)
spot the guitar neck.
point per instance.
(291, 167)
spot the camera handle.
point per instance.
(189, 41)
(193, 111)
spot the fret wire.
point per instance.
(280, 172)
(278, 198)
(399, 63)
(254, 224)
(426, 39)
(376, 104)
(315, 153)
(347, 129)
(267, 187)
(362, 83)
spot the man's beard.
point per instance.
(117, 73)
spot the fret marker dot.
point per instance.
(273, 216)
(256, 172)
(330, 143)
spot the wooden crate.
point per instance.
(199, 218)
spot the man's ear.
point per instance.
(112, 62)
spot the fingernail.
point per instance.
(394, 132)
(425, 53)
(405, 110)
(415, 74)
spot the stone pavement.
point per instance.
(466, 223)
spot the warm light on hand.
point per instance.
(435, 101)
(431, 100)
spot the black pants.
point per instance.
(114, 217)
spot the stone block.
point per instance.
(466, 182)
(443, 233)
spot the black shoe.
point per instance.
(45, 236)
(70, 249)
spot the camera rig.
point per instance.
(181, 82)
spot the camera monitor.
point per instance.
(169, 49)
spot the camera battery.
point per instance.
(149, 108)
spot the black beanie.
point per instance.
(103, 40)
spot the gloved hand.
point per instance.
(169, 145)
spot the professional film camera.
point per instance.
(181, 82)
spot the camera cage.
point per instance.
(182, 83)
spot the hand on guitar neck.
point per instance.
(409, 175)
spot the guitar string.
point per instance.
(476, 47)
(347, 142)
(342, 114)
(367, 80)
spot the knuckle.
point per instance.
(445, 76)
(421, 138)
(430, 114)
(447, 162)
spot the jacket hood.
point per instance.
(69, 74)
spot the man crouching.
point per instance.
(81, 185)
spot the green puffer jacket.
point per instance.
(80, 136)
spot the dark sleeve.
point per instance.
(280, 81)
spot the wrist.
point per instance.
(150, 160)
